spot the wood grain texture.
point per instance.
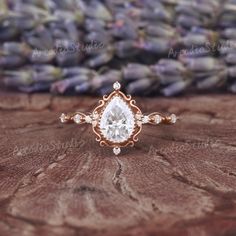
(178, 180)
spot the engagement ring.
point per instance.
(117, 121)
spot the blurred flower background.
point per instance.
(153, 47)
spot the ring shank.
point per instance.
(154, 118)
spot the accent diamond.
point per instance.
(117, 121)
(88, 119)
(77, 118)
(145, 119)
(63, 118)
(116, 85)
(157, 119)
(138, 116)
(116, 150)
(173, 118)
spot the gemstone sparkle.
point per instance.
(77, 119)
(173, 118)
(63, 118)
(117, 121)
(116, 85)
(116, 150)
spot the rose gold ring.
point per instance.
(117, 121)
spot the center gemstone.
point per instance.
(117, 121)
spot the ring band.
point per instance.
(117, 121)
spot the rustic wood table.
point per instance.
(178, 180)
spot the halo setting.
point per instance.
(117, 121)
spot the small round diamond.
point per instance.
(95, 115)
(145, 119)
(77, 119)
(63, 118)
(88, 119)
(157, 119)
(116, 150)
(173, 118)
(138, 116)
(116, 85)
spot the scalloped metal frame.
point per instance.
(94, 118)
(101, 108)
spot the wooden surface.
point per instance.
(178, 180)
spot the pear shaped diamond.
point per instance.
(117, 121)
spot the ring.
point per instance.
(117, 121)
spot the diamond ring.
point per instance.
(117, 121)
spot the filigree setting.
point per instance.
(117, 120)
(134, 109)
